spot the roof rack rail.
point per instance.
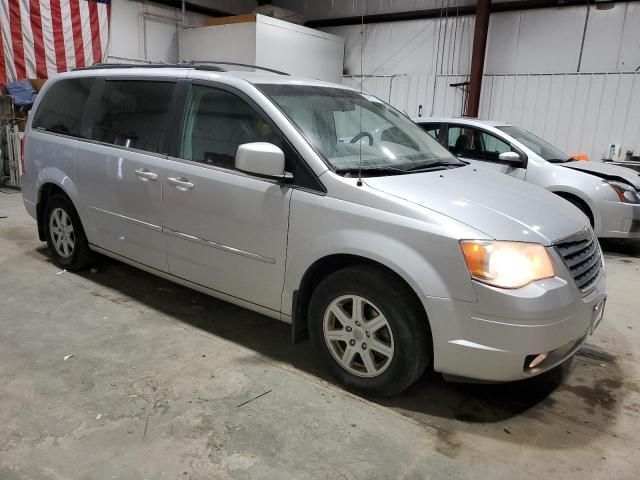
(105, 66)
(207, 62)
(213, 66)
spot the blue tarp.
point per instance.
(22, 92)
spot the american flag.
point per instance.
(41, 37)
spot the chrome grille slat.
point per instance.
(582, 257)
(571, 248)
(585, 268)
(574, 260)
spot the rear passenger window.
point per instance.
(216, 123)
(61, 109)
(134, 114)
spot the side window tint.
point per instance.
(134, 114)
(216, 123)
(61, 109)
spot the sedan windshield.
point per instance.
(354, 132)
(539, 146)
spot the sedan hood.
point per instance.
(497, 205)
(609, 172)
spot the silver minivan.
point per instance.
(317, 205)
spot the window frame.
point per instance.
(514, 148)
(313, 184)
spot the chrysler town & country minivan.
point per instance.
(274, 193)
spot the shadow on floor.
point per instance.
(626, 248)
(432, 401)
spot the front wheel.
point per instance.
(369, 330)
(66, 239)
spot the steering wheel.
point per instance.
(360, 135)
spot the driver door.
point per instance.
(483, 149)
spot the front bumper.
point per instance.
(618, 220)
(491, 339)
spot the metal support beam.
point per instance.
(506, 6)
(483, 10)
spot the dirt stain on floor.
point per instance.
(602, 394)
(447, 444)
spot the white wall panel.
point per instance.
(603, 40)
(579, 113)
(416, 46)
(145, 31)
(629, 56)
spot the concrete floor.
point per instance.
(160, 377)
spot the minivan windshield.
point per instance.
(356, 132)
(539, 146)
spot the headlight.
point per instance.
(507, 264)
(626, 193)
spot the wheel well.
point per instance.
(320, 270)
(47, 191)
(576, 200)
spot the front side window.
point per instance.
(217, 123)
(539, 146)
(432, 129)
(61, 110)
(474, 143)
(134, 114)
(354, 132)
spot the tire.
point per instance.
(392, 321)
(65, 236)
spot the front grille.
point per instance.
(581, 254)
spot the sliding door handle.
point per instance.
(180, 183)
(146, 174)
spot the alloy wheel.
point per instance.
(61, 231)
(358, 335)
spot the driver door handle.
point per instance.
(180, 183)
(146, 174)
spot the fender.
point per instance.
(55, 176)
(567, 189)
(402, 258)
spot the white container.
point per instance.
(267, 42)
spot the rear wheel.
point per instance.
(369, 331)
(65, 236)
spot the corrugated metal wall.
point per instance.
(531, 71)
(578, 112)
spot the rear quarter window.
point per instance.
(61, 109)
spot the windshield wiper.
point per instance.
(427, 167)
(560, 160)
(378, 170)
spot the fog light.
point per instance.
(538, 360)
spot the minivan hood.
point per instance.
(608, 172)
(495, 204)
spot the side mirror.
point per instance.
(262, 159)
(510, 157)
